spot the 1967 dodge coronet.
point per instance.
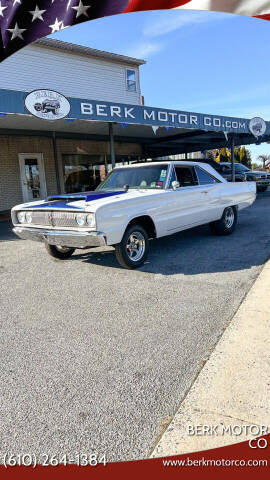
(132, 205)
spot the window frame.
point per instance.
(216, 180)
(173, 171)
(135, 81)
(194, 174)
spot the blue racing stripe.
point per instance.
(67, 201)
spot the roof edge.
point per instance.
(88, 51)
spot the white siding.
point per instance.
(72, 75)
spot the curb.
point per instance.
(229, 401)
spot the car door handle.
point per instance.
(204, 191)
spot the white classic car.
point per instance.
(133, 204)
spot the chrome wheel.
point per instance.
(229, 218)
(135, 246)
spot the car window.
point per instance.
(226, 168)
(149, 176)
(241, 168)
(185, 176)
(204, 177)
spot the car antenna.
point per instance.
(126, 187)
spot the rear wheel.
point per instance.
(227, 223)
(262, 189)
(56, 251)
(134, 247)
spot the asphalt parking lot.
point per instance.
(96, 359)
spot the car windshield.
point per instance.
(145, 177)
(239, 167)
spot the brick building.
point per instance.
(35, 158)
(69, 113)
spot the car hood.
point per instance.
(88, 201)
(76, 201)
(256, 172)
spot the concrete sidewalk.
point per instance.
(233, 388)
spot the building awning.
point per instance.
(160, 131)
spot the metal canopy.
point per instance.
(162, 143)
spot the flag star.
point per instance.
(16, 32)
(37, 14)
(56, 26)
(2, 9)
(81, 9)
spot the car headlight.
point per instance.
(80, 219)
(28, 217)
(90, 219)
(21, 217)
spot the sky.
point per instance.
(205, 62)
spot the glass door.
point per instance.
(32, 177)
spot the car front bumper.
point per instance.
(64, 238)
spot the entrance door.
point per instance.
(33, 179)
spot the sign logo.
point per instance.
(257, 126)
(47, 104)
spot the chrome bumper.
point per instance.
(61, 237)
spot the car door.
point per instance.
(212, 188)
(186, 206)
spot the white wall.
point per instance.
(73, 75)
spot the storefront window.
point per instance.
(121, 160)
(84, 173)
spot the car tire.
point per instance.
(132, 253)
(226, 225)
(61, 253)
(261, 189)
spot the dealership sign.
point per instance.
(159, 117)
(257, 126)
(51, 105)
(47, 104)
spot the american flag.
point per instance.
(24, 21)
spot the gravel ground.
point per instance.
(96, 359)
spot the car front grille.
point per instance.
(54, 219)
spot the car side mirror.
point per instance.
(175, 185)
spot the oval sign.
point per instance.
(257, 126)
(47, 104)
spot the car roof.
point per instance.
(229, 163)
(166, 162)
(182, 163)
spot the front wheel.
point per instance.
(56, 251)
(133, 249)
(227, 223)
